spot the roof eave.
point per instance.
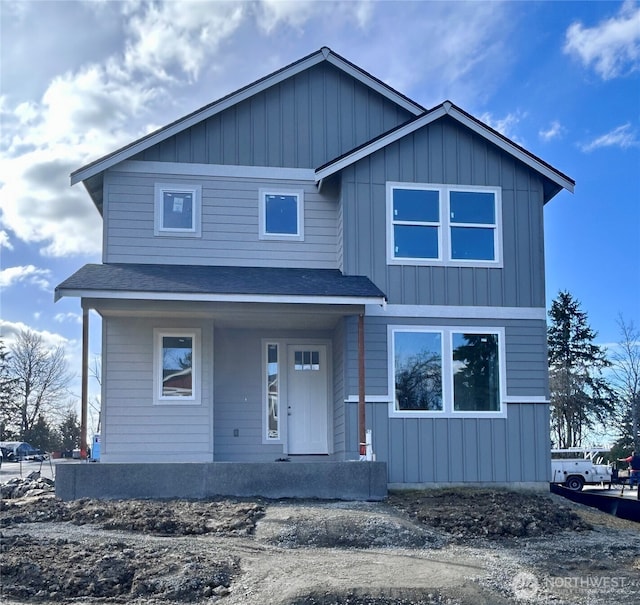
(561, 180)
(218, 297)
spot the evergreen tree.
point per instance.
(69, 431)
(580, 396)
(42, 435)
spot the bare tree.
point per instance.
(41, 379)
(625, 370)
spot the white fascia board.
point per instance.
(457, 312)
(383, 141)
(213, 170)
(370, 82)
(537, 399)
(233, 298)
(195, 118)
(511, 149)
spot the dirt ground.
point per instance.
(456, 546)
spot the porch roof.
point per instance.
(229, 284)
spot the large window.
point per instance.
(176, 366)
(443, 224)
(177, 210)
(281, 215)
(446, 371)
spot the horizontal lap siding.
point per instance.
(134, 428)
(459, 450)
(230, 230)
(446, 153)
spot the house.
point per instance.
(314, 256)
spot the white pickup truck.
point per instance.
(576, 472)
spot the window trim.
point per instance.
(444, 226)
(262, 215)
(196, 335)
(196, 228)
(266, 343)
(446, 333)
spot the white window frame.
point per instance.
(196, 356)
(444, 226)
(448, 410)
(262, 211)
(196, 227)
(265, 392)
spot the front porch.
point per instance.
(351, 480)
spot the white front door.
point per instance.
(307, 399)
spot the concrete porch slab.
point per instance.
(323, 480)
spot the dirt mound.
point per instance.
(60, 569)
(166, 518)
(341, 526)
(475, 513)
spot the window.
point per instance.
(446, 371)
(177, 210)
(443, 224)
(176, 366)
(281, 215)
(272, 388)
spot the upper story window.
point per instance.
(178, 210)
(281, 215)
(443, 225)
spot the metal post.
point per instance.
(362, 437)
(85, 383)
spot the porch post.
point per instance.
(362, 437)
(85, 383)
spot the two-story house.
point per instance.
(315, 255)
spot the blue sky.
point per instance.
(80, 79)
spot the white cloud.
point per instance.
(505, 125)
(68, 317)
(9, 331)
(25, 274)
(622, 136)
(554, 131)
(5, 242)
(273, 13)
(180, 35)
(612, 47)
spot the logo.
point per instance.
(525, 585)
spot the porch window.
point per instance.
(177, 210)
(447, 371)
(281, 215)
(273, 392)
(176, 366)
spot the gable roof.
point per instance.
(220, 284)
(324, 54)
(556, 179)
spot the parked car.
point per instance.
(13, 451)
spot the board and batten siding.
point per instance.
(302, 122)
(445, 152)
(134, 428)
(459, 450)
(230, 226)
(525, 350)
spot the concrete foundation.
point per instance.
(323, 480)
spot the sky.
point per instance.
(81, 79)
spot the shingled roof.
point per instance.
(196, 282)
